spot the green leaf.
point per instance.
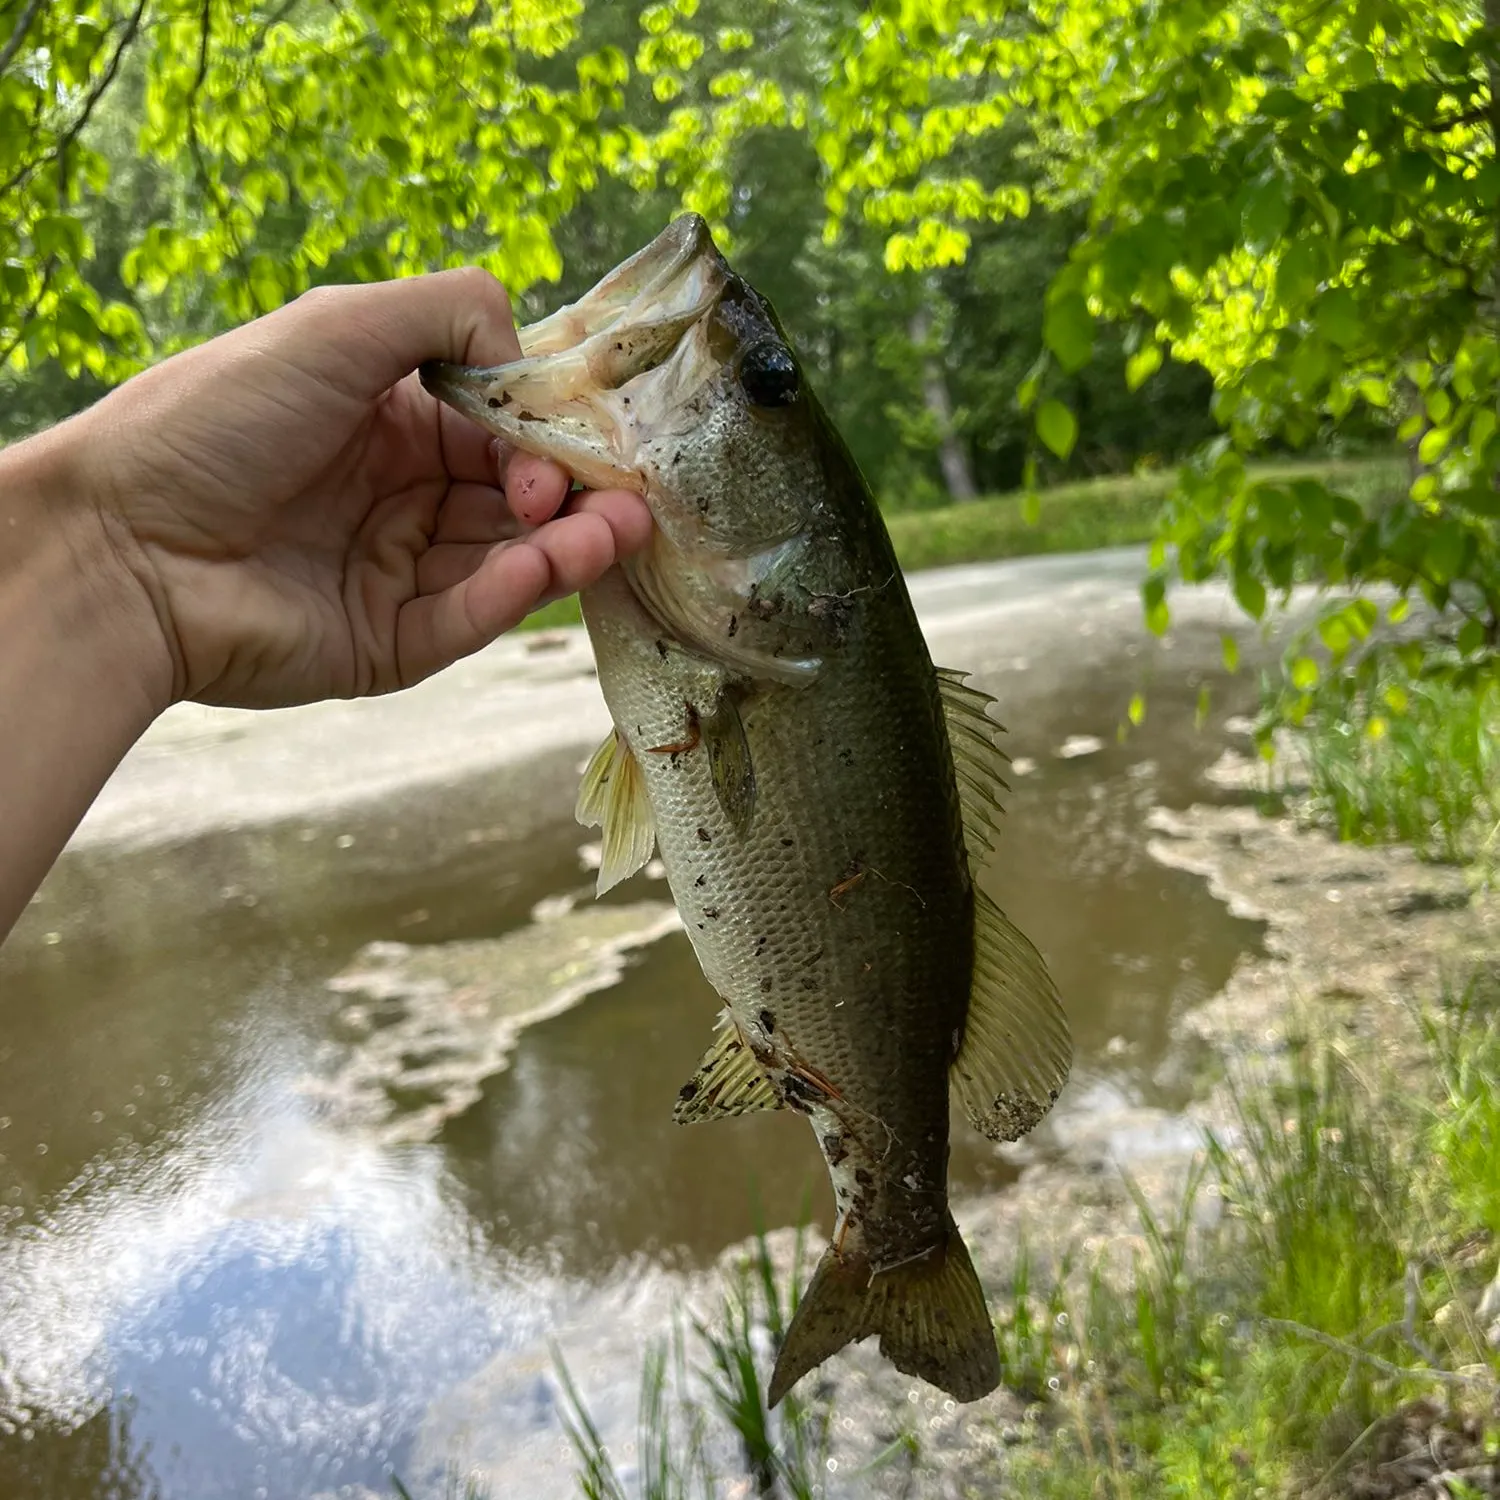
(1231, 650)
(1433, 443)
(1068, 330)
(1057, 427)
(1336, 635)
(1444, 557)
(1137, 710)
(1266, 212)
(1142, 365)
(1304, 674)
(1250, 592)
(1338, 317)
(1154, 602)
(1481, 430)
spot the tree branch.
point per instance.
(13, 44)
(275, 18)
(29, 312)
(212, 188)
(27, 170)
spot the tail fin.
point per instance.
(929, 1312)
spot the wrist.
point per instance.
(66, 592)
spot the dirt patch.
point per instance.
(1355, 936)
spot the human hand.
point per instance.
(293, 517)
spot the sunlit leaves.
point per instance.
(930, 244)
(1142, 365)
(1304, 205)
(1057, 427)
(1154, 601)
(298, 143)
(1266, 212)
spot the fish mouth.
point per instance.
(594, 374)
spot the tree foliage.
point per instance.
(1300, 198)
(300, 143)
(183, 166)
(1013, 239)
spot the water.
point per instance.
(212, 1286)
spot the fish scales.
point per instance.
(818, 791)
(839, 930)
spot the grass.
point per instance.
(456, 1486)
(1079, 517)
(704, 1422)
(1317, 1336)
(1405, 758)
(1109, 512)
(1298, 1323)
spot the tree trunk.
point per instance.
(952, 455)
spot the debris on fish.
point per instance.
(821, 795)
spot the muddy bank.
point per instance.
(1353, 937)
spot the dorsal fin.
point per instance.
(978, 761)
(1016, 1048)
(612, 797)
(728, 1081)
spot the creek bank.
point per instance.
(1355, 938)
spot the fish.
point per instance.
(820, 793)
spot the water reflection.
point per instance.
(210, 1289)
(281, 1302)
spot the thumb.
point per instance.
(363, 339)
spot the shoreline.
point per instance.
(1357, 938)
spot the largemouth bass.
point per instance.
(820, 793)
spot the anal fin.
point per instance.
(728, 1081)
(612, 797)
(1016, 1049)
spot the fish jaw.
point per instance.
(652, 276)
(597, 374)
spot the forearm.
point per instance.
(80, 678)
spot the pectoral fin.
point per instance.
(978, 761)
(1016, 1049)
(729, 760)
(728, 1081)
(613, 798)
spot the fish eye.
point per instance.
(768, 374)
